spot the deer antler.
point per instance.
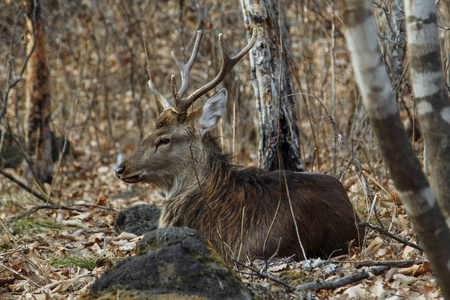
(184, 70)
(181, 104)
(228, 63)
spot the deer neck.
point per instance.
(206, 171)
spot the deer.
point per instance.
(245, 212)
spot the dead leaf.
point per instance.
(356, 292)
(409, 253)
(403, 280)
(374, 244)
(416, 270)
(278, 268)
(75, 223)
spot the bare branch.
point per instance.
(353, 160)
(264, 275)
(331, 285)
(36, 208)
(390, 263)
(26, 188)
(388, 234)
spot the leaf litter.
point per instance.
(58, 254)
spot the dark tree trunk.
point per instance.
(39, 145)
(412, 185)
(279, 146)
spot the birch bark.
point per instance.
(431, 95)
(412, 185)
(279, 146)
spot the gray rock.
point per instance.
(138, 219)
(172, 263)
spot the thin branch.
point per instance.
(293, 215)
(390, 263)
(94, 206)
(20, 275)
(264, 275)
(50, 204)
(36, 208)
(201, 190)
(353, 159)
(331, 285)
(26, 188)
(386, 233)
(27, 159)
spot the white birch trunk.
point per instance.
(431, 95)
(405, 170)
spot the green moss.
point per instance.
(33, 226)
(292, 277)
(87, 263)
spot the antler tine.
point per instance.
(176, 97)
(163, 101)
(186, 68)
(227, 64)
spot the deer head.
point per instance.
(167, 157)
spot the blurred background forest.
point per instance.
(97, 53)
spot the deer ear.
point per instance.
(212, 110)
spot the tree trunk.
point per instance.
(279, 146)
(414, 190)
(39, 145)
(395, 52)
(431, 95)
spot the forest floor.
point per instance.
(58, 254)
(101, 102)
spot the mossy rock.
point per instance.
(138, 219)
(172, 263)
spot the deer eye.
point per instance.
(163, 141)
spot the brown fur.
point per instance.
(235, 207)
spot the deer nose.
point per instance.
(119, 171)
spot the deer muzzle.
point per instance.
(122, 172)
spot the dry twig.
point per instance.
(331, 285)
(390, 263)
(264, 275)
(388, 234)
(36, 208)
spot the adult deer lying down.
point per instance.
(245, 212)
